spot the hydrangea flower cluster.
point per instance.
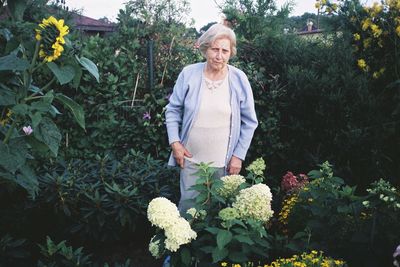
(254, 203)
(291, 182)
(230, 185)
(155, 248)
(197, 214)
(257, 167)
(385, 192)
(164, 214)
(161, 211)
(179, 234)
(227, 215)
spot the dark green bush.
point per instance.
(328, 215)
(105, 199)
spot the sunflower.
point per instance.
(51, 34)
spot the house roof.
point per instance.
(89, 24)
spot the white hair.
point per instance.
(215, 32)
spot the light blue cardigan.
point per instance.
(185, 101)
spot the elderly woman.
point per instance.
(210, 116)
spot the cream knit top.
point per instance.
(209, 136)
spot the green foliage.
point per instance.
(62, 255)
(28, 93)
(223, 232)
(357, 224)
(115, 108)
(104, 198)
(12, 251)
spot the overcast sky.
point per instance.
(203, 11)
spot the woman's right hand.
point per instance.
(179, 152)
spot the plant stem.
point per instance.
(34, 58)
(43, 89)
(9, 132)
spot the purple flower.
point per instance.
(146, 115)
(27, 129)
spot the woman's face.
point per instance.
(218, 54)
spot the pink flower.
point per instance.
(291, 182)
(146, 115)
(27, 130)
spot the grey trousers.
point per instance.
(187, 179)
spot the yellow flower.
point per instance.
(6, 118)
(356, 36)
(367, 43)
(362, 64)
(375, 30)
(334, 7)
(224, 264)
(377, 8)
(317, 5)
(398, 30)
(51, 34)
(323, 2)
(366, 23)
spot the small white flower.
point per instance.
(155, 248)
(27, 130)
(366, 203)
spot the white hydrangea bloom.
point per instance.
(155, 248)
(178, 234)
(164, 214)
(230, 184)
(161, 212)
(254, 203)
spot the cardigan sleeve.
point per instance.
(174, 110)
(248, 119)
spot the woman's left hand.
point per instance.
(234, 166)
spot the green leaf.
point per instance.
(244, 239)
(27, 179)
(185, 256)
(7, 96)
(343, 209)
(48, 133)
(89, 66)
(78, 76)
(223, 238)
(75, 108)
(13, 154)
(17, 8)
(219, 254)
(212, 230)
(237, 257)
(12, 62)
(36, 118)
(64, 74)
